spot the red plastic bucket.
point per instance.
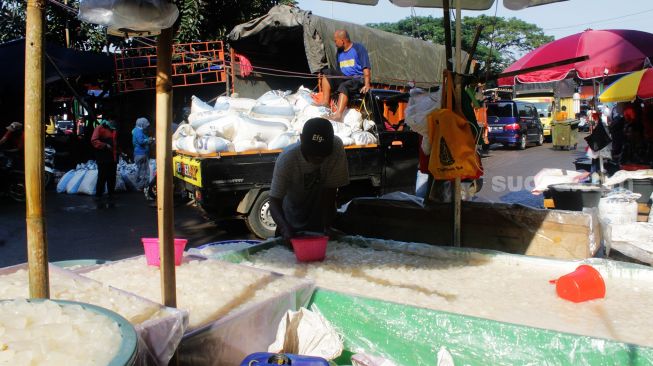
(583, 284)
(310, 248)
(151, 246)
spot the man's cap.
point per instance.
(317, 137)
(15, 126)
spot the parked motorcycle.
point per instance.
(12, 174)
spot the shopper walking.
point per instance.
(105, 146)
(141, 142)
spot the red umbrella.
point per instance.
(611, 52)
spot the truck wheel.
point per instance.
(259, 220)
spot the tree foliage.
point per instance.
(502, 40)
(198, 20)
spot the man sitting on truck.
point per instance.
(352, 73)
(305, 180)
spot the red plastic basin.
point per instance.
(310, 248)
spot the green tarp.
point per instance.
(273, 39)
(410, 335)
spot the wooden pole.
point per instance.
(457, 185)
(164, 166)
(472, 51)
(447, 33)
(37, 247)
(233, 70)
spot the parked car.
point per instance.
(514, 123)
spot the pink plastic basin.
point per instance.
(310, 248)
(151, 246)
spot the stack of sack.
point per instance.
(83, 178)
(273, 121)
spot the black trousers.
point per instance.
(106, 175)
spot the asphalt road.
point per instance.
(78, 229)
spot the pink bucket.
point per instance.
(151, 246)
(310, 248)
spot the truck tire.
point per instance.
(259, 220)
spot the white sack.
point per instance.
(225, 127)
(182, 131)
(252, 129)
(347, 141)
(364, 138)
(63, 182)
(120, 184)
(87, 185)
(198, 119)
(340, 129)
(75, 181)
(246, 145)
(353, 119)
(283, 140)
(273, 104)
(307, 333)
(237, 104)
(420, 105)
(300, 99)
(140, 15)
(198, 106)
(309, 112)
(212, 144)
(368, 125)
(186, 144)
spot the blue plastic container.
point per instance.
(79, 263)
(225, 242)
(262, 358)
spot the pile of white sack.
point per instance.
(83, 178)
(273, 121)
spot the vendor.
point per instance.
(14, 139)
(305, 181)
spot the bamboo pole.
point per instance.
(164, 166)
(37, 247)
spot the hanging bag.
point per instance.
(453, 146)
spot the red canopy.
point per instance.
(619, 51)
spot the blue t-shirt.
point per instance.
(353, 61)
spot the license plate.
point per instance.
(496, 128)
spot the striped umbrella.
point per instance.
(638, 84)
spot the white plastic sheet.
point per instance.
(138, 15)
(420, 105)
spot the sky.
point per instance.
(558, 20)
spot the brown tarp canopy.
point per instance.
(292, 39)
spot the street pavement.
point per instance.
(78, 229)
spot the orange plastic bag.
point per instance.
(453, 148)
